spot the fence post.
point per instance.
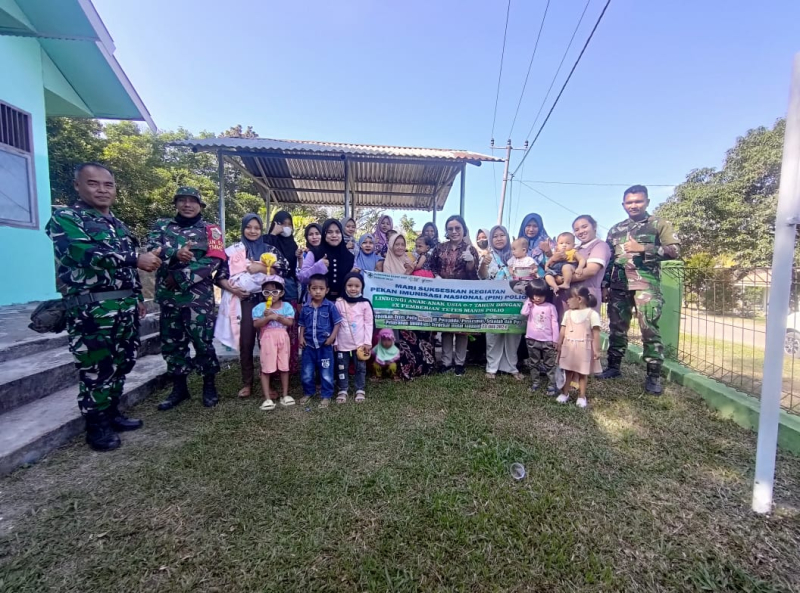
(672, 291)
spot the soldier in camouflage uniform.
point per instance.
(193, 252)
(97, 265)
(633, 281)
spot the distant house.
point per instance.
(56, 59)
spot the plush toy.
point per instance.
(269, 260)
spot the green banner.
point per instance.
(434, 304)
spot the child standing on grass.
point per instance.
(579, 343)
(319, 324)
(273, 318)
(542, 334)
(354, 340)
(386, 355)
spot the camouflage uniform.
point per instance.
(96, 254)
(633, 281)
(187, 310)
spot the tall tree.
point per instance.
(731, 212)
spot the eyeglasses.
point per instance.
(275, 292)
(453, 229)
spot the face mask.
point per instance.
(355, 296)
(287, 231)
(483, 244)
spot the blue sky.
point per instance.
(665, 87)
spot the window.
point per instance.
(17, 181)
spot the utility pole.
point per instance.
(509, 148)
(786, 220)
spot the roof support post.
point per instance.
(346, 189)
(463, 189)
(221, 169)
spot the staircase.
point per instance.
(39, 386)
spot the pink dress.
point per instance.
(578, 346)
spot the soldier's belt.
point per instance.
(96, 297)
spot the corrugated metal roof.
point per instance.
(332, 148)
(313, 173)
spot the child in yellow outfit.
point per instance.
(569, 262)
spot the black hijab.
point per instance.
(286, 246)
(347, 297)
(255, 249)
(340, 260)
(317, 251)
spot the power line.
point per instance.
(596, 184)
(530, 64)
(557, 203)
(571, 72)
(500, 75)
(558, 71)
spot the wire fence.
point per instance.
(723, 329)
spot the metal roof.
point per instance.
(313, 173)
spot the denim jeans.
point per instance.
(317, 359)
(343, 371)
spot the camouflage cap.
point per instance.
(185, 190)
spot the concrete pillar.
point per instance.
(672, 276)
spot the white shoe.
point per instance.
(267, 405)
(581, 402)
(287, 400)
(563, 398)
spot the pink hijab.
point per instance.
(393, 264)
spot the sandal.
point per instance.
(304, 400)
(267, 405)
(518, 376)
(490, 376)
(341, 398)
(244, 392)
(326, 401)
(360, 396)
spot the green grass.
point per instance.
(408, 492)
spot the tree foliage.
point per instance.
(730, 212)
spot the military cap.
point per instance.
(185, 190)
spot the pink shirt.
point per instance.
(356, 329)
(542, 321)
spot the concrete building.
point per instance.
(56, 59)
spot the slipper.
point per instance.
(287, 400)
(341, 398)
(517, 376)
(360, 396)
(304, 400)
(244, 392)
(326, 401)
(267, 405)
(490, 376)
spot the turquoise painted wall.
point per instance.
(26, 264)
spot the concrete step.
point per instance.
(29, 432)
(25, 379)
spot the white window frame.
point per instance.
(28, 156)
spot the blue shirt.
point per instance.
(317, 323)
(286, 310)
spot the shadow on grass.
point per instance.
(409, 491)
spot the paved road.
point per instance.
(748, 332)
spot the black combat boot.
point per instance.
(99, 434)
(210, 395)
(119, 421)
(179, 393)
(612, 370)
(653, 383)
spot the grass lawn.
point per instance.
(408, 492)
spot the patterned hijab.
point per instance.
(380, 237)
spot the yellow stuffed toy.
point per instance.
(269, 260)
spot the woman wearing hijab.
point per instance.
(241, 277)
(314, 261)
(366, 257)
(430, 231)
(501, 349)
(482, 242)
(385, 224)
(532, 229)
(397, 260)
(340, 260)
(349, 226)
(281, 237)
